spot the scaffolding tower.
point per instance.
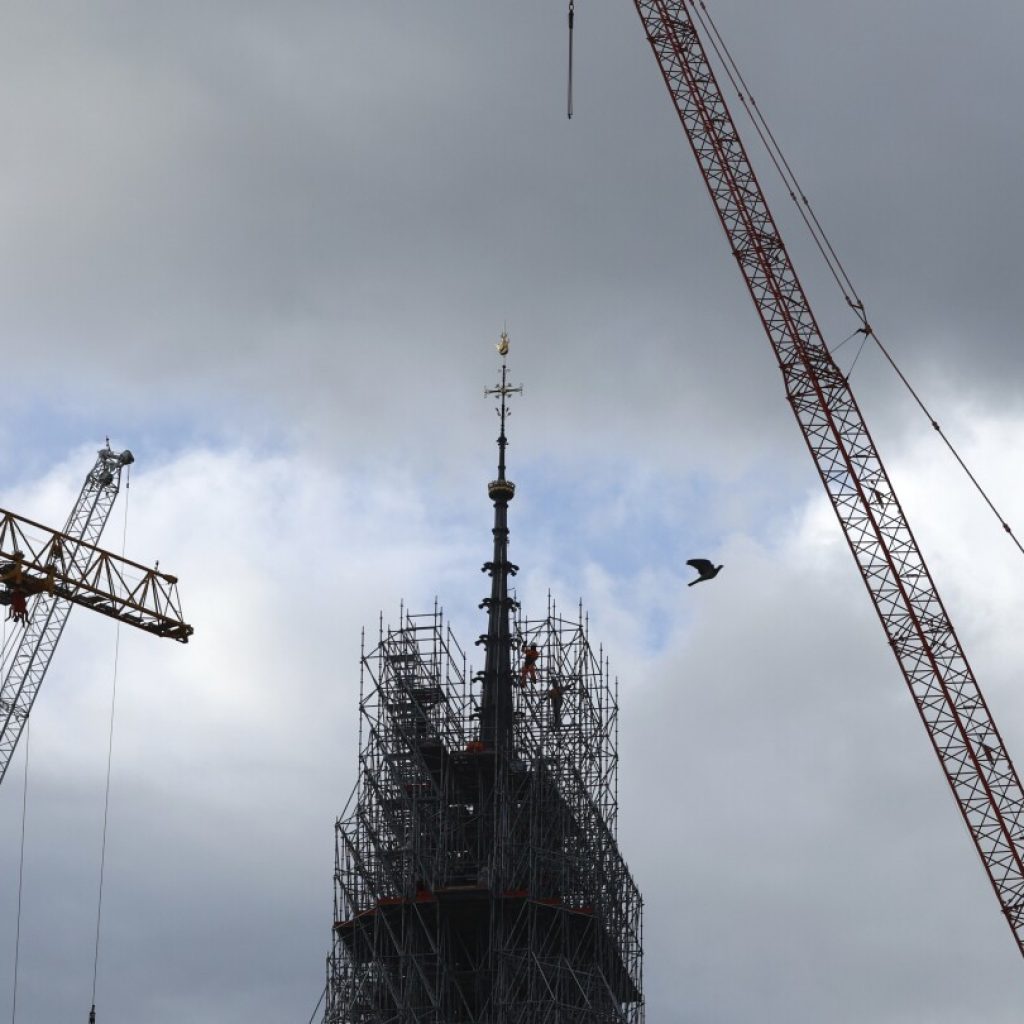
(477, 871)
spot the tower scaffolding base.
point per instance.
(475, 884)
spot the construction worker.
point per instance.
(556, 691)
(56, 552)
(19, 605)
(529, 669)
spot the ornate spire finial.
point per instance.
(504, 390)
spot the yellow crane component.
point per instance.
(35, 560)
(43, 572)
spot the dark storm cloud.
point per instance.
(289, 209)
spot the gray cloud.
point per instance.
(281, 209)
(270, 251)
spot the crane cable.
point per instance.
(822, 242)
(572, 19)
(778, 157)
(21, 866)
(110, 757)
(21, 878)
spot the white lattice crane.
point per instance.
(43, 572)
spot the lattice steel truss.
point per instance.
(50, 570)
(25, 659)
(478, 883)
(976, 764)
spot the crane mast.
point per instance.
(970, 750)
(61, 568)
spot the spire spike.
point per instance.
(496, 710)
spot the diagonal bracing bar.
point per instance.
(965, 738)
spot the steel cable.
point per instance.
(822, 241)
(21, 878)
(572, 19)
(110, 757)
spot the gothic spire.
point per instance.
(496, 697)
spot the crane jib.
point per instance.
(38, 560)
(963, 734)
(43, 572)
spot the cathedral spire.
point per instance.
(496, 696)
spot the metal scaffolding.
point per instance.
(479, 884)
(477, 875)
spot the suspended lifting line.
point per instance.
(21, 862)
(572, 18)
(110, 756)
(21, 867)
(822, 242)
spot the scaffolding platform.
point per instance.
(443, 913)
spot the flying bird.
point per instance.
(705, 570)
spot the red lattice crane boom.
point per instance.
(969, 748)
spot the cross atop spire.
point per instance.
(503, 389)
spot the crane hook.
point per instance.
(572, 18)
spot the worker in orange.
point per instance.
(529, 669)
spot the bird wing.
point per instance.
(702, 565)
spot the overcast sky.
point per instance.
(270, 247)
